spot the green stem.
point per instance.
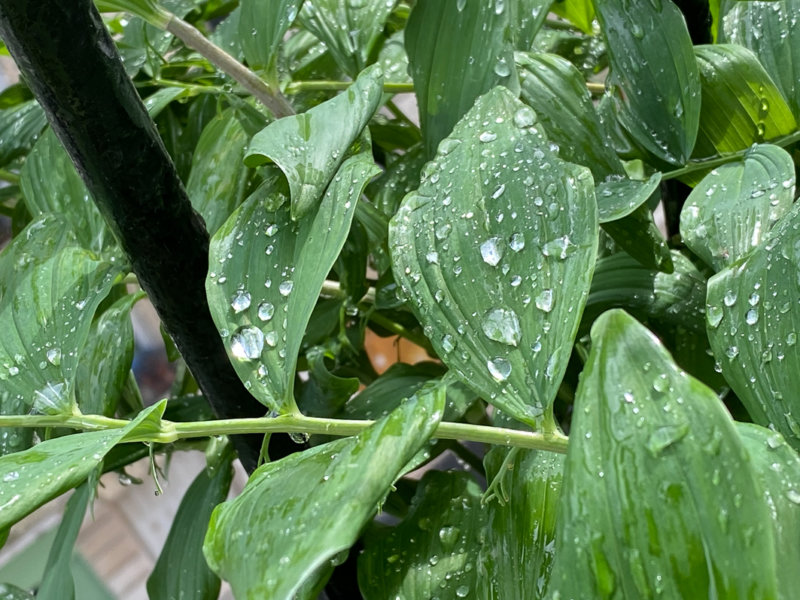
(9, 176)
(170, 431)
(398, 329)
(295, 87)
(716, 161)
(193, 87)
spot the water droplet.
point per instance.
(240, 301)
(285, 288)
(791, 338)
(714, 315)
(517, 242)
(449, 536)
(499, 368)
(265, 311)
(502, 325)
(524, 117)
(443, 231)
(247, 343)
(299, 438)
(499, 191)
(432, 257)
(793, 496)
(751, 316)
(730, 297)
(54, 356)
(544, 301)
(732, 352)
(560, 247)
(487, 136)
(13, 371)
(462, 591)
(664, 437)
(448, 343)
(661, 383)
(492, 251)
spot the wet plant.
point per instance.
(610, 406)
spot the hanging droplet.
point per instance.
(247, 343)
(265, 311)
(499, 368)
(240, 301)
(502, 325)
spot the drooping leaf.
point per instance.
(262, 26)
(399, 178)
(638, 234)
(350, 30)
(39, 474)
(394, 60)
(310, 147)
(525, 18)
(741, 105)
(106, 359)
(20, 127)
(261, 295)
(434, 551)
(495, 252)
(618, 197)
(578, 12)
(753, 325)
(734, 207)
(518, 553)
(653, 63)
(457, 51)
(158, 101)
(181, 570)
(49, 290)
(325, 393)
(58, 583)
(657, 483)
(777, 467)
(770, 30)
(297, 513)
(218, 176)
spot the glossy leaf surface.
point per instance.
(20, 127)
(444, 522)
(457, 51)
(753, 318)
(497, 279)
(39, 474)
(525, 19)
(618, 197)
(653, 63)
(578, 12)
(741, 105)
(296, 514)
(734, 207)
(261, 295)
(310, 147)
(262, 26)
(657, 483)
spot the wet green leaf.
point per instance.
(12, 592)
(657, 484)
(653, 63)
(434, 551)
(578, 12)
(520, 538)
(770, 30)
(298, 513)
(325, 393)
(753, 320)
(777, 467)
(384, 394)
(49, 291)
(181, 570)
(638, 234)
(20, 127)
(457, 51)
(735, 206)
(262, 294)
(741, 105)
(39, 474)
(495, 252)
(262, 26)
(618, 197)
(526, 18)
(310, 147)
(218, 176)
(350, 29)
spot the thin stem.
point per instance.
(400, 330)
(562, 25)
(272, 99)
(333, 289)
(295, 87)
(193, 87)
(9, 176)
(713, 162)
(171, 431)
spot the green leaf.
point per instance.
(12, 592)
(37, 475)
(261, 295)
(350, 30)
(20, 127)
(556, 90)
(434, 551)
(735, 206)
(262, 26)
(741, 105)
(51, 184)
(777, 468)
(218, 176)
(181, 570)
(618, 197)
(770, 30)
(325, 393)
(106, 359)
(296, 514)
(383, 395)
(457, 51)
(310, 147)
(526, 18)
(49, 291)
(58, 583)
(495, 252)
(753, 323)
(149, 10)
(159, 100)
(520, 536)
(639, 236)
(578, 12)
(652, 61)
(657, 485)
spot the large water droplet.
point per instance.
(54, 356)
(492, 251)
(714, 315)
(265, 311)
(517, 242)
(240, 301)
(560, 247)
(285, 288)
(499, 368)
(664, 437)
(502, 325)
(544, 301)
(247, 343)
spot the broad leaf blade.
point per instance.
(653, 63)
(20, 127)
(578, 12)
(310, 147)
(657, 483)
(520, 537)
(741, 105)
(526, 18)
(457, 51)
(434, 551)
(753, 324)
(497, 279)
(261, 295)
(262, 26)
(39, 474)
(181, 570)
(734, 207)
(638, 234)
(295, 514)
(618, 197)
